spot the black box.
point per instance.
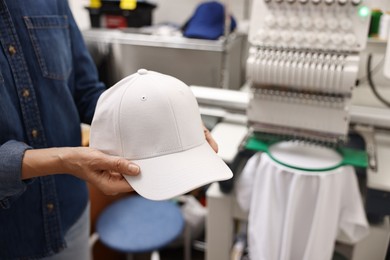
(110, 15)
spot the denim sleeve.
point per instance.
(11, 184)
(87, 87)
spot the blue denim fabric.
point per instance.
(48, 85)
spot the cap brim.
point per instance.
(168, 176)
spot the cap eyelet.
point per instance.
(143, 98)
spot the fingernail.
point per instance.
(133, 168)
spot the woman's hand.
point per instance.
(102, 170)
(210, 139)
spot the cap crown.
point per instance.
(146, 115)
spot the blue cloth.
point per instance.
(135, 224)
(48, 84)
(208, 22)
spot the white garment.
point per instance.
(296, 215)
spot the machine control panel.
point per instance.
(302, 65)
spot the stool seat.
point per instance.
(136, 225)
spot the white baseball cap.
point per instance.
(153, 120)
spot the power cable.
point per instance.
(372, 85)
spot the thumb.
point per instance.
(123, 166)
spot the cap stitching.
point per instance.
(166, 152)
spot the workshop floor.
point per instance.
(172, 254)
(101, 252)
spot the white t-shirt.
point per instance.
(296, 215)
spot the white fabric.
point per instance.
(296, 215)
(153, 120)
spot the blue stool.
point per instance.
(137, 225)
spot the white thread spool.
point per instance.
(384, 26)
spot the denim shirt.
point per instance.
(48, 85)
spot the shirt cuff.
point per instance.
(11, 183)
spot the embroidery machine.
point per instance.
(302, 68)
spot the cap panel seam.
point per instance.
(176, 127)
(118, 115)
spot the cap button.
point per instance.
(142, 71)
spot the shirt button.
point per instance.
(34, 133)
(11, 50)
(50, 206)
(25, 93)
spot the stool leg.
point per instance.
(187, 242)
(155, 256)
(92, 241)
